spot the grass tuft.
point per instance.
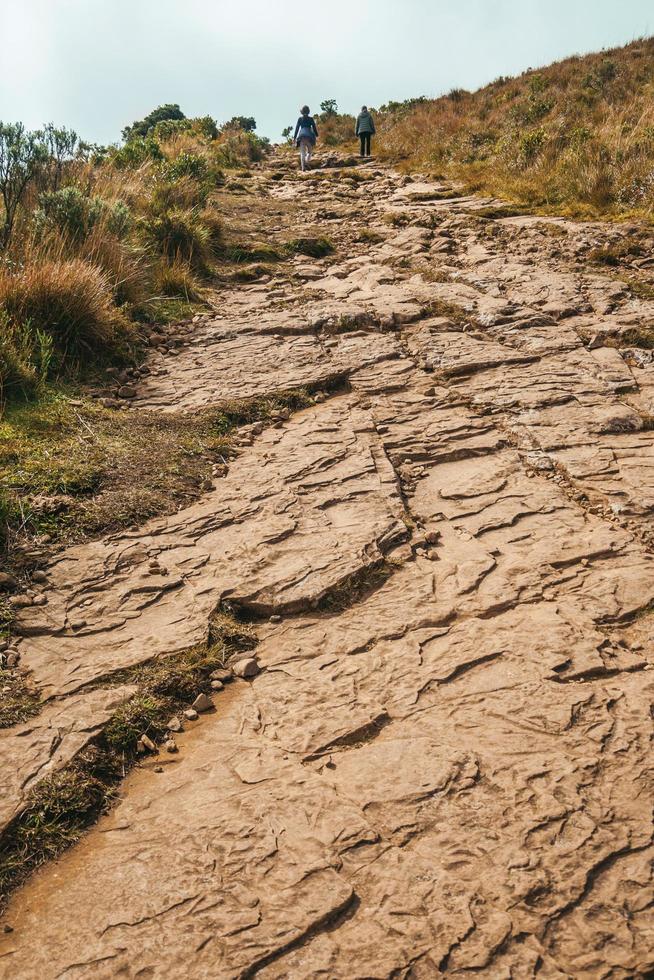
(65, 804)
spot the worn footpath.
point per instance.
(444, 774)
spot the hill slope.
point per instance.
(578, 134)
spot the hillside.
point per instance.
(576, 136)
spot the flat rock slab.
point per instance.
(225, 365)
(309, 505)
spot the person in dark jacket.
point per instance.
(306, 134)
(365, 130)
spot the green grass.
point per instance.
(357, 587)
(257, 252)
(18, 699)
(65, 804)
(113, 469)
(316, 248)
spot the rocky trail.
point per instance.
(447, 771)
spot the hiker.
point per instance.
(365, 130)
(306, 134)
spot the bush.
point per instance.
(72, 303)
(179, 234)
(142, 127)
(74, 214)
(137, 152)
(531, 144)
(247, 123)
(186, 165)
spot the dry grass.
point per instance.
(70, 301)
(576, 137)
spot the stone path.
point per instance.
(450, 775)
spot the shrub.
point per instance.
(186, 165)
(179, 234)
(531, 144)
(247, 123)
(142, 127)
(137, 152)
(21, 155)
(70, 301)
(74, 214)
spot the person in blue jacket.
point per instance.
(306, 134)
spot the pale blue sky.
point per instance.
(99, 64)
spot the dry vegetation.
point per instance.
(576, 137)
(96, 245)
(97, 241)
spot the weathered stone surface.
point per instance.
(440, 772)
(309, 505)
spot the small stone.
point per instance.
(174, 725)
(206, 485)
(432, 537)
(41, 600)
(170, 745)
(21, 601)
(246, 668)
(222, 674)
(203, 703)
(39, 576)
(217, 686)
(191, 714)
(275, 619)
(158, 769)
(126, 391)
(7, 581)
(7, 928)
(12, 660)
(147, 743)
(77, 624)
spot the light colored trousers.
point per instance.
(306, 149)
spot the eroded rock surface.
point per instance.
(447, 773)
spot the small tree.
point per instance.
(287, 134)
(22, 153)
(62, 145)
(143, 126)
(247, 123)
(329, 107)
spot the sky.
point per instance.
(97, 65)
